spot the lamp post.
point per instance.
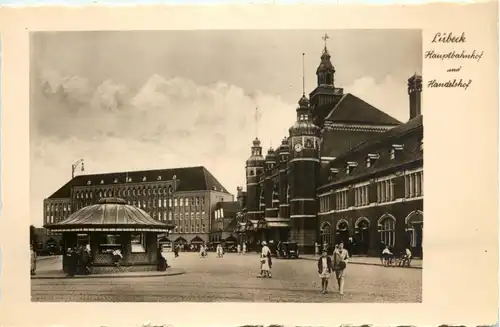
(75, 165)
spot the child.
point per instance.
(324, 270)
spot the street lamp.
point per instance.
(75, 165)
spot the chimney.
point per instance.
(415, 91)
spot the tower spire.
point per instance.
(303, 76)
(257, 121)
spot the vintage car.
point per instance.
(287, 250)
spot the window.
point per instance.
(422, 144)
(181, 202)
(175, 202)
(388, 230)
(361, 196)
(326, 234)
(341, 200)
(110, 242)
(102, 182)
(414, 184)
(170, 202)
(144, 179)
(158, 178)
(385, 191)
(170, 215)
(138, 242)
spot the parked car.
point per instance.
(287, 250)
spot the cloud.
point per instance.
(165, 123)
(386, 95)
(162, 124)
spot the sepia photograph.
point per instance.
(226, 166)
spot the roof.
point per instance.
(410, 153)
(229, 207)
(110, 213)
(351, 109)
(188, 179)
(231, 226)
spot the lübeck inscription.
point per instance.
(452, 54)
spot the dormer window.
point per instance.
(129, 179)
(351, 165)
(144, 179)
(371, 158)
(158, 178)
(89, 182)
(396, 149)
(333, 173)
(102, 181)
(116, 180)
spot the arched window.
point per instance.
(387, 229)
(413, 222)
(326, 233)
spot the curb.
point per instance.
(366, 263)
(108, 276)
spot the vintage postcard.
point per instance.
(224, 162)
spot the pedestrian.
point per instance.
(238, 249)
(219, 250)
(176, 250)
(265, 260)
(324, 270)
(203, 251)
(161, 262)
(71, 260)
(340, 258)
(84, 260)
(244, 248)
(117, 257)
(33, 260)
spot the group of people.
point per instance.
(387, 257)
(241, 249)
(337, 264)
(78, 260)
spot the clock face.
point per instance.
(298, 147)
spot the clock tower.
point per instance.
(302, 176)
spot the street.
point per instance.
(234, 279)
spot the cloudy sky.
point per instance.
(146, 100)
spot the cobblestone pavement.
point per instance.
(234, 279)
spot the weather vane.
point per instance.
(325, 37)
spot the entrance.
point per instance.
(343, 233)
(415, 230)
(362, 237)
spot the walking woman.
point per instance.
(71, 262)
(33, 260)
(324, 270)
(340, 257)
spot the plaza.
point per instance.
(233, 279)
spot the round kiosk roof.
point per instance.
(110, 214)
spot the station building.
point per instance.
(186, 197)
(346, 171)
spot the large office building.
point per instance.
(347, 172)
(186, 197)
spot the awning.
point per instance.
(277, 225)
(197, 240)
(231, 239)
(164, 240)
(180, 239)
